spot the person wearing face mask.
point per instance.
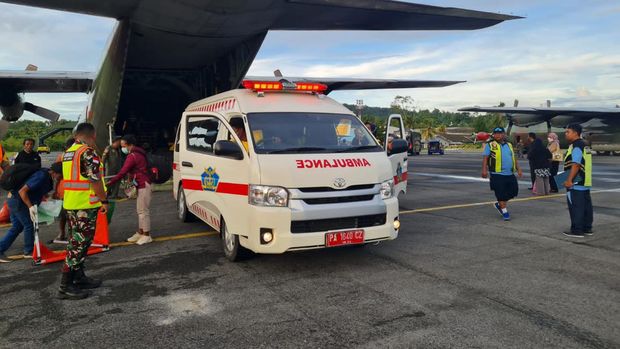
(556, 159)
(84, 198)
(136, 167)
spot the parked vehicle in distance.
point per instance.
(435, 147)
(414, 140)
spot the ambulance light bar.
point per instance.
(260, 86)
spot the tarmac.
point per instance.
(457, 276)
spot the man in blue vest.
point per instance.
(500, 160)
(578, 163)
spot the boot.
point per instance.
(84, 282)
(68, 290)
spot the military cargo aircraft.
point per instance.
(164, 54)
(601, 125)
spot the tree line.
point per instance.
(22, 129)
(429, 121)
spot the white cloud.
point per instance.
(565, 51)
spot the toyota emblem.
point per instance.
(339, 183)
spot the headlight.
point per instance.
(264, 195)
(387, 189)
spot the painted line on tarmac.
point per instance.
(157, 239)
(466, 178)
(474, 204)
(168, 238)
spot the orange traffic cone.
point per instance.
(5, 214)
(101, 240)
(102, 236)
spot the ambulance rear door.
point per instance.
(396, 149)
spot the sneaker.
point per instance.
(26, 256)
(573, 235)
(144, 239)
(499, 209)
(4, 258)
(506, 216)
(588, 233)
(135, 237)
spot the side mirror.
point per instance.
(227, 149)
(399, 146)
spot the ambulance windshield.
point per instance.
(290, 133)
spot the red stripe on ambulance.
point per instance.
(222, 187)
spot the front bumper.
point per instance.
(279, 221)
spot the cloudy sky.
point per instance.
(564, 50)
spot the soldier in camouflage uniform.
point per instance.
(84, 197)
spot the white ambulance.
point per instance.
(278, 167)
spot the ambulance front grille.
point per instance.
(321, 189)
(324, 225)
(338, 200)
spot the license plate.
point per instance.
(347, 237)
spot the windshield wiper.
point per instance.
(361, 147)
(295, 150)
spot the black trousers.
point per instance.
(554, 171)
(532, 174)
(580, 210)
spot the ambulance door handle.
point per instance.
(187, 164)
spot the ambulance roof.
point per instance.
(247, 101)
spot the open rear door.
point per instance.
(396, 130)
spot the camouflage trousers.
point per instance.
(81, 233)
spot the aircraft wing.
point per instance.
(550, 112)
(41, 81)
(339, 84)
(294, 14)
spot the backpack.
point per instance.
(152, 172)
(16, 176)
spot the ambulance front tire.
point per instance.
(182, 212)
(232, 248)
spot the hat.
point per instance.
(499, 130)
(575, 127)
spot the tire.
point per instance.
(233, 250)
(182, 211)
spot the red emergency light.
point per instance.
(278, 86)
(310, 86)
(262, 85)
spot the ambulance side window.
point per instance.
(202, 133)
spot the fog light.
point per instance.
(266, 235)
(396, 224)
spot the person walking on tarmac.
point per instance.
(85, 196)
(578, 164)
(500, 160)
(136, 167)
(23, 206)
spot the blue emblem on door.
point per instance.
(210, 179)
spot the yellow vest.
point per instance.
(585, 167)
(79, 194)
(495, 160)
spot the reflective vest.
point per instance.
(495, 160)
(79, 194)
(584, 176)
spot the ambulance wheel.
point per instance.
(182, 211)
(232, 248)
